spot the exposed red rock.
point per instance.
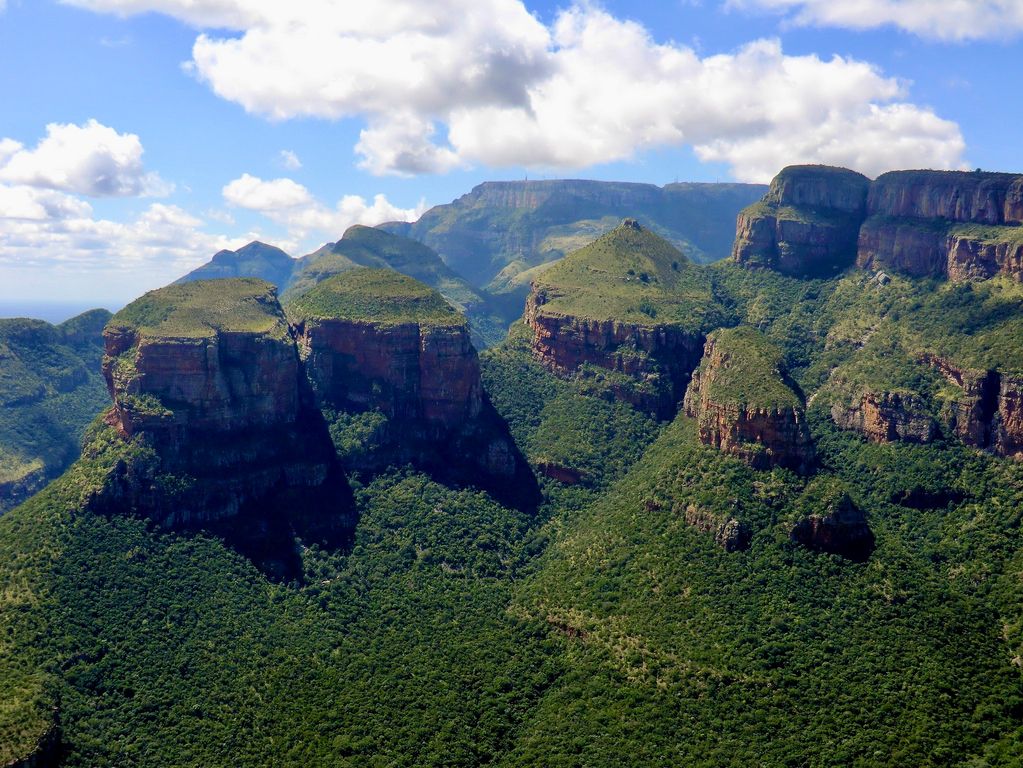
(972, 259)
(807, 223)
(229, 414)
(669, 353)
(906, 246)
(764, 436)
(985, 198)
(885, 417)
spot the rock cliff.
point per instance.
(885, 417)
(745, 404)
(950, 224)
(380, 344)
(829, 521)
(806, 225)
(208, 374)
(629, 304)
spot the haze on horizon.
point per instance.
(141, 136)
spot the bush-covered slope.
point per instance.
(50, 389)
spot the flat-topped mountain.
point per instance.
(50, 389)
(746, 405)
(388, 357)
(207, 374)
(816, 221)
(806, 225)
(499, 234)
(631, 304)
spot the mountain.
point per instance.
(500, 234)
(359, 246)
(50, 389)
(778, 520)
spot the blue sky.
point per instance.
(139, 136)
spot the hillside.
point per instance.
(774, 520)
(50, 389)
(499, 230)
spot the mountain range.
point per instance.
(761, 511)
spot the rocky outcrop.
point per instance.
(984, 198)
(746, 406)
(207, 374)
(831, 522)
(953, 224)
(657, 359)
(885, 417)
(806, 225)
(729, 533)
(411, 361)
(988, 413)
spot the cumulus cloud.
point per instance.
(292, 206)
(954, 20)
(90, 159)
(44, 232)
(485, 82)
(289, 160)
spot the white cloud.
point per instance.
(46, 234)
(289, 160)
(954, 20)
(292, 206)
(90, 159)
(485, 82)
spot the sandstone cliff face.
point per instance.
(986, 198)
(229, 415)
(408, 371)
(989, 411)
(806, 225)
(952, 224)
(659, 358)
(765, 435)
(885, 417)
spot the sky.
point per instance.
(138, 137)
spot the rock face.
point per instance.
(885, 417)
(831, 522)
(628, 303)
(377, 342)
(950, 224)
(207, 373)
(730, 534)
(989, 411)
(745, 405)
(668, 353)
(806, 225)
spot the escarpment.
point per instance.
(950, 224)
(807, 223)
(885, 417)
(208, 376)
(386, 355)
(745, 405)
(628, 310)
(817, 220)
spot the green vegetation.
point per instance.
(628, 275)
(50, 389)
(748, 369)
(204, 308)
(375, 295)
(605, 630)
(989, 234)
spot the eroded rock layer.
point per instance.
(745, 405)
(208, 375)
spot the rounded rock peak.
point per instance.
(631, 224)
